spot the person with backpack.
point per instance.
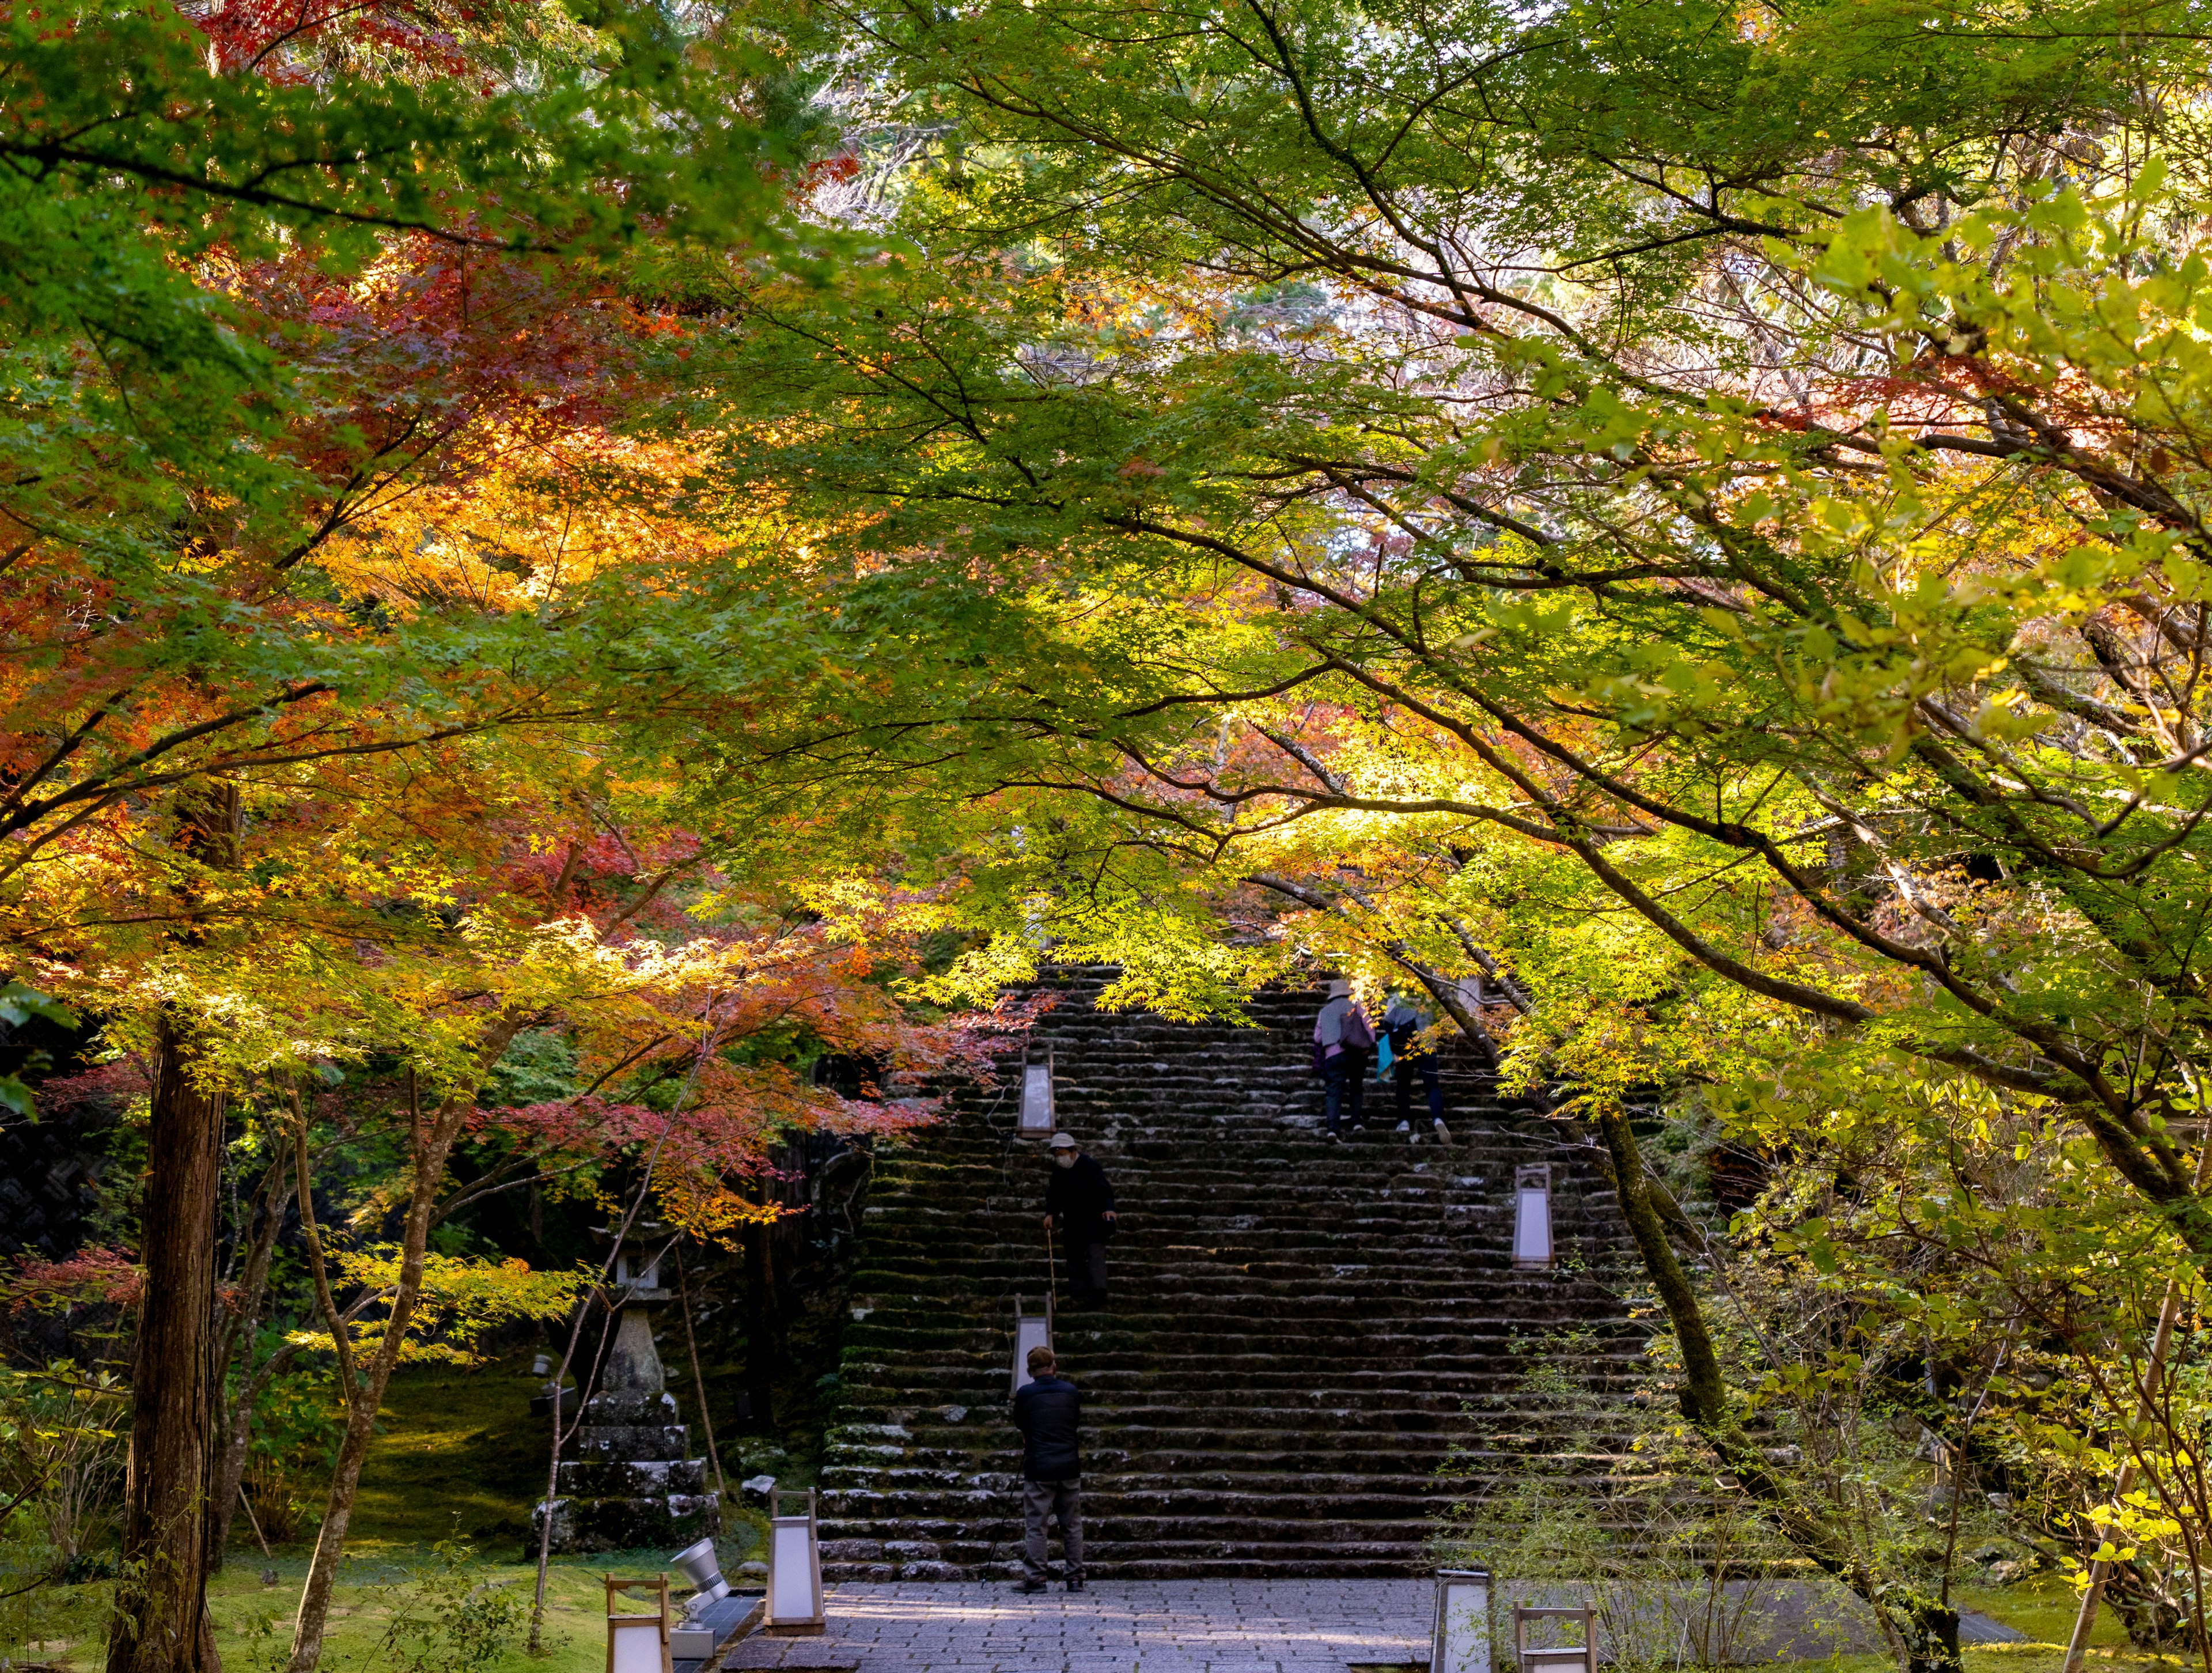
(1403, 1025)
(1341, 1038)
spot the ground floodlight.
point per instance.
(1461, 1641)
(699, 1564)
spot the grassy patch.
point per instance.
(254, 1619)
(458, 1452)
(2043, 1609)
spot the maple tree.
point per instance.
(1678, 531)
(272, 269)
(1693, 522)
(463, 920)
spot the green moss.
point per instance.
(455, 1443)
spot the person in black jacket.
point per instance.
(1081, 1202)
(1048, 1411)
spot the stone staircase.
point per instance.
(1299, 1331)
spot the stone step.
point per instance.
(1302, 1331)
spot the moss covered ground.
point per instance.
(459, 1458)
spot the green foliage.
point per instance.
(18, 1005)
(297, 1416)
(1595, 1505)
(61, 1469)
(448, 1618)
(539, 1065)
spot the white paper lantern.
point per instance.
(637, 1643)
(1460, 1643)
(1030, 1330)
(794, 1568)
(1036, 1118)
(1532, 1216)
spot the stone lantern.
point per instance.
(628, 1479)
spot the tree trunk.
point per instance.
(230, 1480)
(161, 1623)
(430, 1146)
(337, 1515)
(1923, 1629)
(236, 1355)
(759, 1319)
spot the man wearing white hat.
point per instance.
(1082, 1201)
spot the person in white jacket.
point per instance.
(1341, 1038)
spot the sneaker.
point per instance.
(1076, 1584)
(1333, 1138)
(1029, 1586)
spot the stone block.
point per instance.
(930, 1571)
(611, 1442)
(631, 1407)
(587, 1478)
(669, 1520)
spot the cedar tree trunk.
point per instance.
(161, 1623)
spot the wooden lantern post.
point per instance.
(1563, 1658)
(638, 1643)
(794, 1568)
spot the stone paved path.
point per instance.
(1217, 1626)
(1114, 1627)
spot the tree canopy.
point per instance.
(1680, 529)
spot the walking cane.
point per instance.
(1051, 1275)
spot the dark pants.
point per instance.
(1425, 1066)
(1348, 1068)
(1040, 1499)
(1087, 1274)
